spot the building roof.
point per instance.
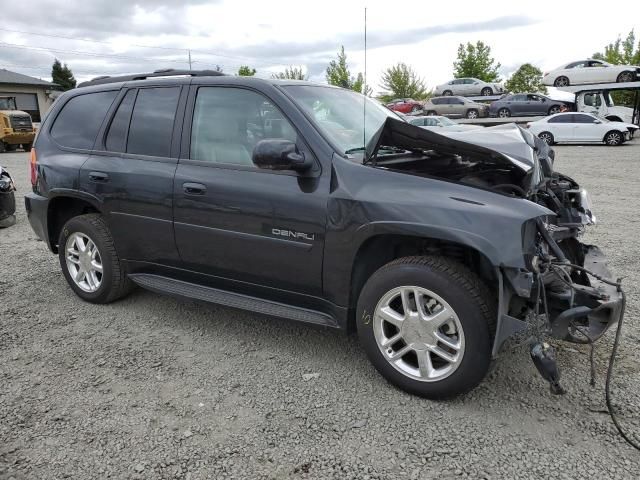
(19, 79)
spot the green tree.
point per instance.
(622, 52)
(400, 81)
(291, 73)
(62, 75)
(338, 74)
(526, 79)
(476, 61)
(246, 71)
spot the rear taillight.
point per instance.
(33, 165)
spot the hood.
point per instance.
(507, 144)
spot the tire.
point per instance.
(553, 110)
(613, 138)
(561, 82)
(26, 147)
(113, 282)
(624, 77)
(3, 147)
(415, 108)
(486, 91)
(473, 313)
(472, 113)
(10, 147)
(447, 93)
(504, 113)
(546, 137)
(431, 113)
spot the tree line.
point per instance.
(402, 81)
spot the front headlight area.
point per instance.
(586, 207)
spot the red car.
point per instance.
(405, 105)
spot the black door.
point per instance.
(236, 221)
(131, 173)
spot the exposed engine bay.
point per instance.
(565, 292)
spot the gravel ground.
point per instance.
(153, 387)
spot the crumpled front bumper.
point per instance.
(579, 317)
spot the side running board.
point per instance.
(169, 286)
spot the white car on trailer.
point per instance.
(590, 71)
(576, 127)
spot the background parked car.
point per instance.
(441, 124)
(580, 128)
(469, 86)
(457, 107)
(590, 71)
(522, 104)
(404, 105)
(7, 199)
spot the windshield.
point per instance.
(340, 114)
(7, 103)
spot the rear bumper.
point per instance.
(18, 138)
(37, 206)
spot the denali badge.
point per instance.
(293, 234)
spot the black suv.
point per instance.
(313, 203)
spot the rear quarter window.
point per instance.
(77, 124)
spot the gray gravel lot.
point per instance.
(153, 387)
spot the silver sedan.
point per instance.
(469, 87)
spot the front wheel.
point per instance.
(486, 91)
(473, 113)
(613, 138)
(89, 260)
(547, 137)
(504, 113)
(625, 77)
(424, 324)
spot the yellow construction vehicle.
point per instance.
(16, 127)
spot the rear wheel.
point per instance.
(561, 82)
(424, 324)
(472, 113)
(547, 137)
(613, 138)
(625, 77)
(89, 260)
(447, 93)
(504, 113)
(486, 91)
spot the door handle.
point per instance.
(194, 188)
(98, 177)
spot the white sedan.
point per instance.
(570, 127)
(441, 124)
(590, 71)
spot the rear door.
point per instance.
(131, 172)
(234, 220)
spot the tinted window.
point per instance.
(438, 101)
(582, 118)
(117, 136)
(456, 101)
(78, 123)
(561, 119)
(228, 122)
(152, 121)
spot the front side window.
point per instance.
(228, 122)
(582, 118)
(152, 120)
(79, 121)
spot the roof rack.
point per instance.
(166, 72)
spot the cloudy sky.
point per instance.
(100, 37)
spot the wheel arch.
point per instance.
(64, 206)
(380, 249)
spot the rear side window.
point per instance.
(80, 119)
(117, 136)
(152, 121)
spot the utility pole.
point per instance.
(189, 58)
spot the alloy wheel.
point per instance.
(84, 262)
(418, 333)
(613, 138)
(504, 113)
(546, 137)
(561, 82)
(472, 114)
(625, 77)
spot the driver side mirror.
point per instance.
(598, 121)
(279, 154)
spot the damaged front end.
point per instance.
(563, 287)
(7, 199)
